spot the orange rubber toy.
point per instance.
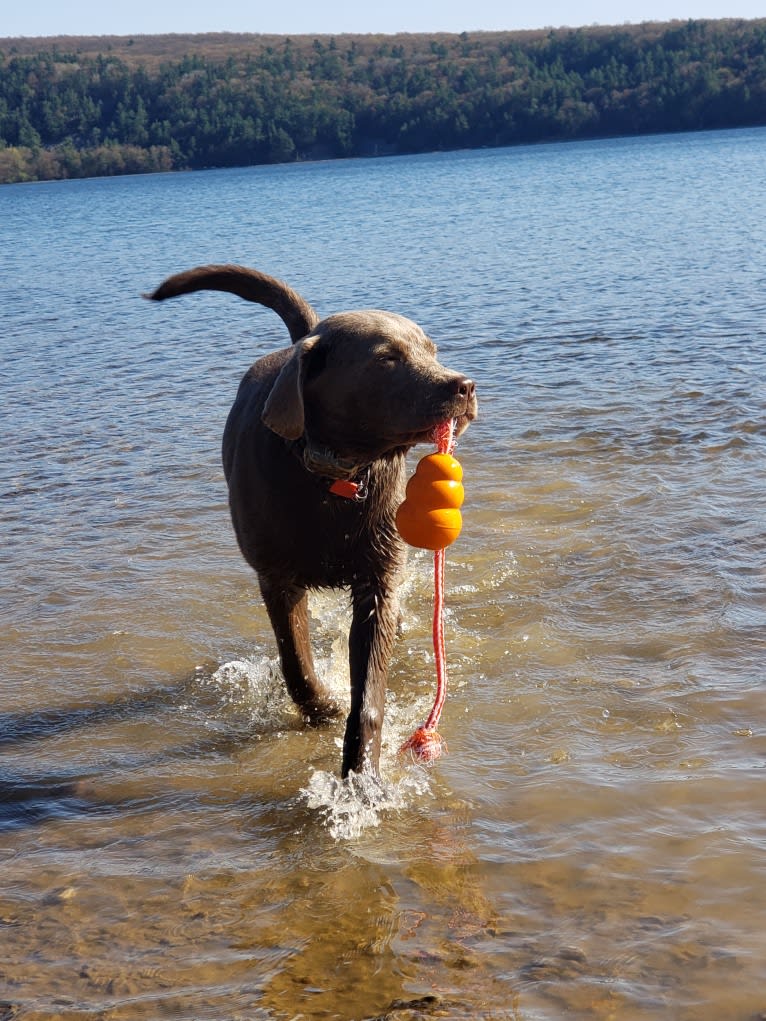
(430, 516)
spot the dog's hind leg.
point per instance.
(288, 612)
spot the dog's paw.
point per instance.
(320, 711)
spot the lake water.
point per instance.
(173, 843)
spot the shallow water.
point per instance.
(173, 842)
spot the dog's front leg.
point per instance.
(288, 612)
(371, 640)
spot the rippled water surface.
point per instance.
(174, 844)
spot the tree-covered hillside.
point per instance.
(81, 107)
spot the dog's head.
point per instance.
(366, 383)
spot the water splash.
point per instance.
(253, 689)
(350, 807)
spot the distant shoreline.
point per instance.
(350, 159)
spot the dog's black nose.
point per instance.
(465, 387)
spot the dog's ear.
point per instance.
(283, 410)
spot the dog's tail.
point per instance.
(299, 317)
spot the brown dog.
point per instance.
(313, 453)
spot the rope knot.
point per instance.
(425, 745)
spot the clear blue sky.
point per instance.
(146, 17)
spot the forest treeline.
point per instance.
(77, 108)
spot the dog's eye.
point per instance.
(388, 358)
